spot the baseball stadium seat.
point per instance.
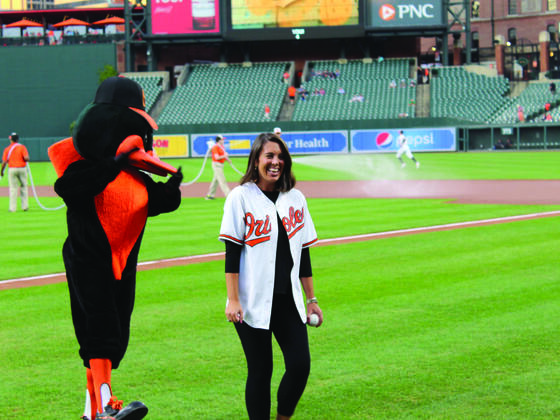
(232, 93)
(369, 79)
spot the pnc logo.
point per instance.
(384, 140)
(387, 12)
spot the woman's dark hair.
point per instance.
(287, 180)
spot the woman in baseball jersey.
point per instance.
(267, 231)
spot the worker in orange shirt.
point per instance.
(292, 93)
(219, 156)
(15, 156)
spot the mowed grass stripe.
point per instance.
(455, 324)
(194, 259)
(33, 240)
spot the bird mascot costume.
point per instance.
(108, 195)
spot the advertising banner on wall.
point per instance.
(185, 17)
(297, 142)
(175, 145)
(405, 14)
(419, 139)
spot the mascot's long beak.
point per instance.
(141, 159)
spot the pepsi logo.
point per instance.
(384, 140)
(387, 12)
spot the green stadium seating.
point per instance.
(458, 93)
(369, 79)
(533, 100)
(153, 88)
(233, 93)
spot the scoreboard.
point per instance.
(247, 20)
(289, 19)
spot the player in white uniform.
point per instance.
(404, 148)
(267, 230)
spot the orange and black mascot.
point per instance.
(109, 197)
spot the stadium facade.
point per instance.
(514, 40)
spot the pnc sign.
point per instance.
(383, 14)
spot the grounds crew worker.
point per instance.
(219, 156)
(16, 157)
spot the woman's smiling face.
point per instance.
(270, 166)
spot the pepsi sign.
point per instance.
(419, 139)
(385, 14)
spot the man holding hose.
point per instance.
(15, 156)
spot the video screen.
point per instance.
(261, 14)
(186, 17)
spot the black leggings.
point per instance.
(291, 334)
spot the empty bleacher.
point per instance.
(533, 99)
(152, 85)
(237, 93)
(368, 79)
(232, 93)
(458, 93)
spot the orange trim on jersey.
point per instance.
(231, 238)
(258, 240)
(309, 243)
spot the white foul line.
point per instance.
(448, 226)
(322, 242)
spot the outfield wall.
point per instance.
(45, 88)
(427, 135)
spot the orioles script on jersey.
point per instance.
(294, 223)
(258, 231)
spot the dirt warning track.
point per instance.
(461, 191)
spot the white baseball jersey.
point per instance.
(250, 220)
(403, 146)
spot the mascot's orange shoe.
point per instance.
(136, 410)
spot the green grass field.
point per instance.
(461, 324)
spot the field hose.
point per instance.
(35, 195)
